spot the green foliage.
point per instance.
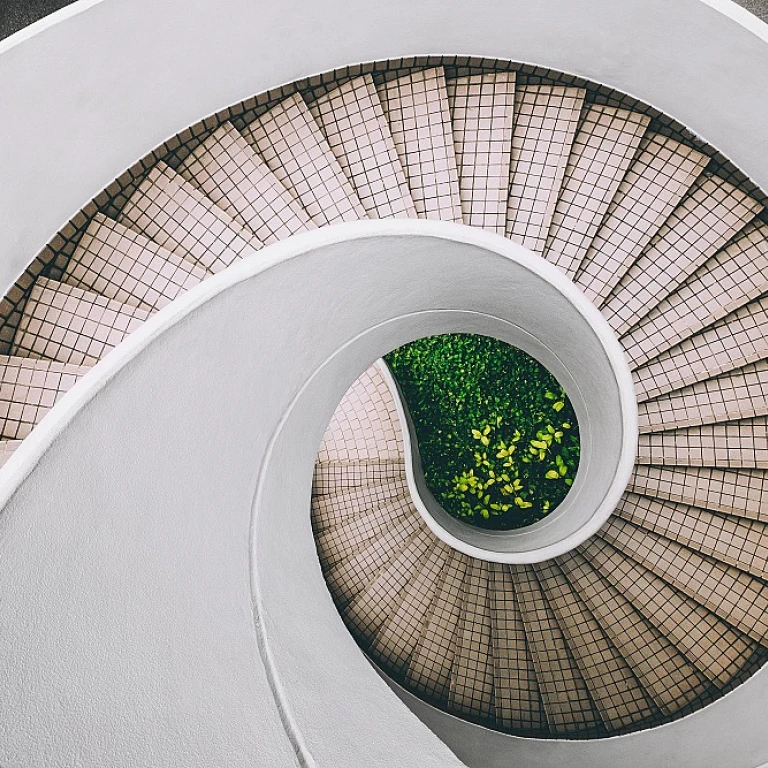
(498, 437)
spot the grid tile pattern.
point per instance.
(365, 424)
(735, 596)
(471, 684)
(482, 114)
(615, 690)
(663, 671)
(567, 702)
(169, 210)
(741, 492)
(292, 145)
(28, 390)
(741, 543)
(71, 325)
(601, 154)
(716, 649)
(733, 342)
(702, 224)
(416, 106)
(332, 509)
(430, 668)
(230, 173)
(739, 394)
(7, 447)
(516, 692)
(730, 279)
(396, 641)
(358, 134)
(125, 266)
(733, 444)
(546, 119)
(331, 477)
(659, 177)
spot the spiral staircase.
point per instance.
(664, 610)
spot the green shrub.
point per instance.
(498, 437)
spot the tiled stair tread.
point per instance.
(416, 108)
(735, 596)
(482, 115)
(660, 175)
(733, 277)
(28, 390)
(566, 699)
(516, 692)
(350, 576)
(230, 173)
(7, 447)
(740, 492)
(715, 648)
(358, 134)
(737, 542)
(331, 477)
(71, 325)
(169, 210)
(293, 146)
(331, 510)
(663, 671)
(733, 444)
(395, 641)
(378, 602)
(353, 534)
(471, 682)
(119, 263)
(710, 215)
(614, 688)
(602, 151)
(429, 669)
(734, 342)
(739, 394)
(546, 120)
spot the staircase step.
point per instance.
(7, 447)
(293, 146)
(396, 639)
(28, 390)
(169, 210)
(602, 151)
(123, 265)
(470, 690)
(482, 115)
(546, 120)
(365, 425)
(733, 342)
(735, 596)
(701, 225)
(739, 394)
(230, 173)
(663, 671)
(337, 508)
(566, 699)
(615, 690)
(516, 692)
(734, 444)
(358, 134)
(715, 648)
(429, 670)
(742, 492)
(70, 325)
(378, 602)
(740, 543)
(661, 174)
(731, 278)
(416, 108)
(332, 477)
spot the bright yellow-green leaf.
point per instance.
(558, 406)
(552, 474)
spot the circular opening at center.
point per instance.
(497, 436)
